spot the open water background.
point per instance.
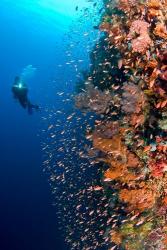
(31, 33)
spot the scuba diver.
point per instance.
(20, 92)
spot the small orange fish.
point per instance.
(120, 62)
(163, 104)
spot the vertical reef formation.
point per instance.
(127, 89)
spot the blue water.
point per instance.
(32, 32)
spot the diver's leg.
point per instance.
(31, 107)
(23, 103)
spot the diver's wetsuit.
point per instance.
(20, 92)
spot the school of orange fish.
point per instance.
(111, 186)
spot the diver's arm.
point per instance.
(20, 91)
(19, 85)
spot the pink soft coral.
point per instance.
(139, 36)
(141, 43)
(139, 27)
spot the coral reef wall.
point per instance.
(127, 89)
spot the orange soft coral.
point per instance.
(138, 200)
(126, 5)
(116, 237)
(161, 31)
(125, 166)
(112, 146)
(136, 120)
(157, 167)
(151, 64)
(120, 172)
(153, 4)
(153, 9)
